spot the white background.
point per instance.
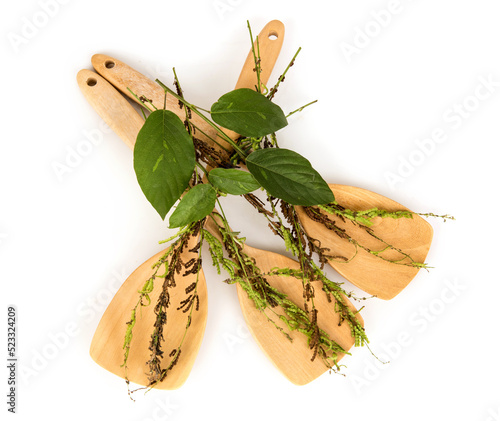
(68, 241)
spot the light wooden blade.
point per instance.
(371, 273)
(293, 359)
(107, 344)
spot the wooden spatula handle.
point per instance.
(113, 108)
(270, 41)
(127, 79)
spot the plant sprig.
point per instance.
(170, 160)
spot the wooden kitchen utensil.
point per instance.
(107, 344)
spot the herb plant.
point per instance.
(174, 165)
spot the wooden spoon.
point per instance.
(293, 359)
(106, 348)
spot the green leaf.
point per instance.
(195, 205)
(233, 181)
(248, 113)
(164, 159)
(289, 176)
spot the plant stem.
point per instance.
(141, 101)
(301, 108)
(282, 77)
(221, 133)
(202, 168)
(220, 145)
(256, 57)
(188, 324)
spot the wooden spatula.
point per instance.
(106, 347)
(293, 359)
(107, 344)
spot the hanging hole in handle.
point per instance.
(273, 35)
(109, 64)
(91, 81)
